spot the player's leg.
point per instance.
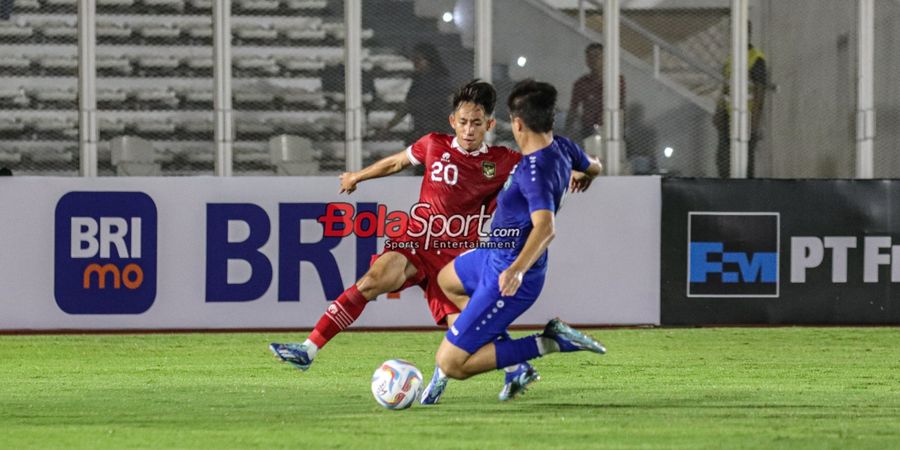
(388, 273)
(452, 286)
(471, 347)
(457, 289)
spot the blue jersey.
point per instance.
(539, 181)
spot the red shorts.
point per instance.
(428, 265)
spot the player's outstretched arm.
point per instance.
(543, 231)
(384, 167)
(581, 181)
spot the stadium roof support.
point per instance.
(87, 82)
(865, 109)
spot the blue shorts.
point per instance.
(488, 314)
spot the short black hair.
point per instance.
(535, 103)
(593, 46)
(478, 92)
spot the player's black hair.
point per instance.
(478, 92)
(593, 46)
(535, 103)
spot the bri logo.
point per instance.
(733, 254)
(105, 252)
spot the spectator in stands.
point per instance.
(758, 79)
(586, 107)
(5, 172)
(427, 101)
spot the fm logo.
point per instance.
(105, 252)
(733, 254)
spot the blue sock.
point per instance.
(503, 336)
(516, 351)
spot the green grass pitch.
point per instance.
(657, 388)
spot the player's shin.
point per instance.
(515, 351)
(341, 313)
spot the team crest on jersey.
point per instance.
(445, 157)
(489, 169)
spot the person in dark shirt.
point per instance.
(427, 101)
(759, 80)
(586, 107)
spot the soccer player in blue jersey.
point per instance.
(495, 286)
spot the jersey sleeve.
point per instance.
(535, 186)
(580, 161)
(417, 152)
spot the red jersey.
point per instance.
(458, 183)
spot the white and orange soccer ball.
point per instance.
(396, 384)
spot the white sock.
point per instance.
(546, 345)
(512, 368)
(311, 348)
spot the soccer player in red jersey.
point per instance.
(462, 175)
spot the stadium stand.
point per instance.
(155, 83)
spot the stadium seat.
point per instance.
(113, 30)
(337, 31)
(392, 90)
(15, 96)
(192, 95)
(305, 34)
(391, 63)
(205, 5)
(51, 124)
(112, 63)
(293, 155)
(256, 31)
(27, 5)
(377, 120)
(155, 126)
(158, 62)
(14, 63)
(258, 6)
(157, 95)
(59, 64)
(10, 154)
(253, 127)
(264, 64)
(112, 95)
(11, 125)
(44, 96)
(133, 156)
(51, 154)
(159, 32)
(253, 96)
(304, 97)
(198, 126)
(200, 64)
(301, 63)
(15, 31)
(165, 4)
(111, 126)
(114, 3)
(58, 29)
(61, 3)
(307, 4)
(198, 31)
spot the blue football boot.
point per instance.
(293, 354)
(570, 339)
(517, 381)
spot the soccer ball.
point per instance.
(396, 384)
